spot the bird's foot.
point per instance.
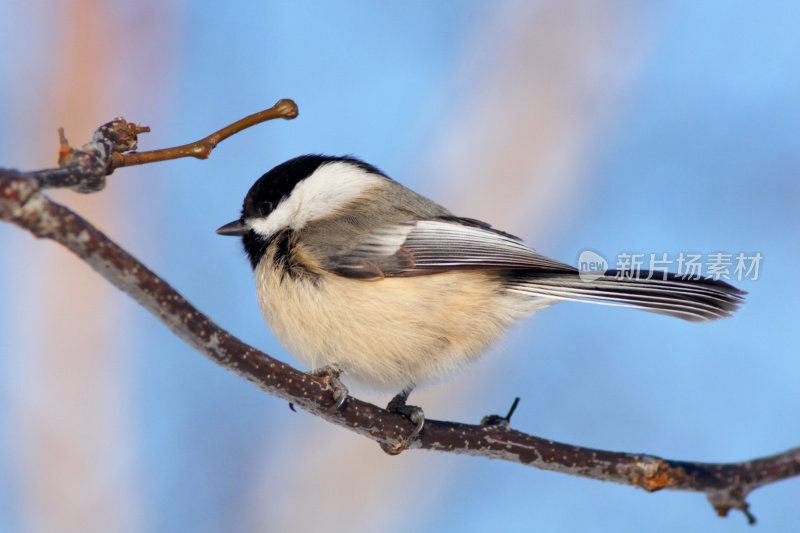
(412, 412)
(330, 375)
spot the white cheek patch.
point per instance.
(273, 223)
(328, 189)
(324, 192)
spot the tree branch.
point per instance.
(202, 149)
(84, 170)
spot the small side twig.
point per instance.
(201, 149)
(85, 169)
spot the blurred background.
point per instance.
(616, 127)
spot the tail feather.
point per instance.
(696, 300)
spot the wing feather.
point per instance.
(429, 246)
(440, 244)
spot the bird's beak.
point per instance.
(234, 229)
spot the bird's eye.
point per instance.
(265, 208)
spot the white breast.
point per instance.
(390, 334)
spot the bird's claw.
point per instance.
(330, 375)
(412, 412)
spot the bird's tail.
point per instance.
(695, 299)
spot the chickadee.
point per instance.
(359, 274)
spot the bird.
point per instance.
(361, 277)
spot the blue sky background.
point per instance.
(691, 145)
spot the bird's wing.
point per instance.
(448, 243)
(434, 245)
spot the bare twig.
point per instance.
(22, 203)
(85, 169)
(202, 149)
